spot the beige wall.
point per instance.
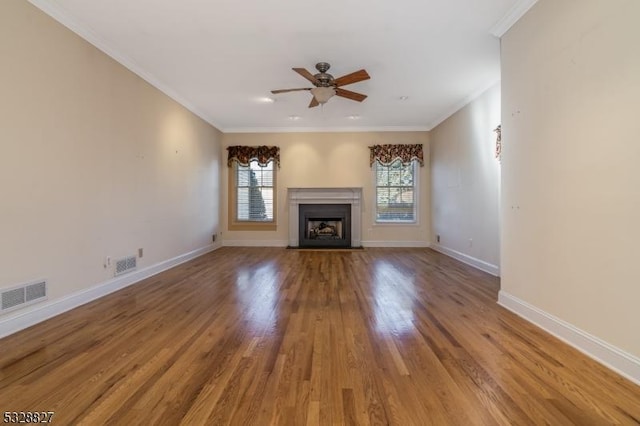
(570, 175)
(331, 160)
(95, 162)
(466, 183)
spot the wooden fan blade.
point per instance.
(275, 92)
(306, 74)
(351, 95)
(354, 77)
(314, 102)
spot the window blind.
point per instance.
(254, 186)
(395, 192)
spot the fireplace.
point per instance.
(324, 225)
(351, 197)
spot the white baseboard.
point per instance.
(255, 243)
(283, 243)
(469, 260)
(40, 312)
(372, 243)
(608, 355)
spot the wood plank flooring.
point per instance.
(260, 336)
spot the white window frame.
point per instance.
(416, 197)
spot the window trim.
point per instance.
(249, 225)
(416, 199)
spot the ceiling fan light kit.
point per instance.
(326, 86)
(323, 94)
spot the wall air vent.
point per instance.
(24, 295)
(125, 265)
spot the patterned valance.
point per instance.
(245, 154)
(387, 154)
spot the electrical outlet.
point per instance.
(213, 237)
(140, 252)
(107, 262)
(438, 238)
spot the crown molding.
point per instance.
(68, 20)
(511, 17)
(325, 129)
(459, 105)
(65, 18)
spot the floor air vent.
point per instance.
(125, 265)
(24, 295)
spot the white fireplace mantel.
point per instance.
(297, 196)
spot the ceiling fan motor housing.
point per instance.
(325, 80)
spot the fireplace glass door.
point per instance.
(325, 225)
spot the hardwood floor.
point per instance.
(258, 336)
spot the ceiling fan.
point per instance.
(326, 86)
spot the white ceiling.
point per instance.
(220, 58)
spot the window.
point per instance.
(396, 192)
(252, 196)
(254, 192)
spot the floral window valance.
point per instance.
(245, 154)
(387, 154)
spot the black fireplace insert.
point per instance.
(324, 225)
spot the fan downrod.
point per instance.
(323, 66)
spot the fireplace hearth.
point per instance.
(324, 225)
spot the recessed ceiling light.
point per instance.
(294, 117)
(266, 100)
(353, 117)
(404, 98)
